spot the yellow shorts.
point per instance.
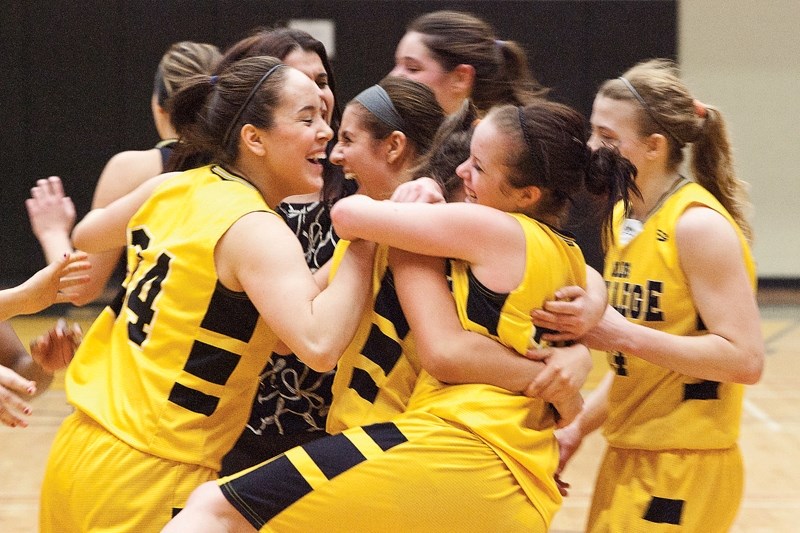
(96, 482)
(667, 491)
(415, 474)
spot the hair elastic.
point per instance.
(649, 110)
(700, 108)
(536, 155)
(213, 80)
(377, 102)
(238, 114)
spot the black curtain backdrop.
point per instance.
(76, 77)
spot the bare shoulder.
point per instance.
(705, 236)
(124, 172)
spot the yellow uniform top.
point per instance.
(379, 367)
(172, 368)
(651, 407)
(518, 428)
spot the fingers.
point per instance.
(12, 407)
(563, 486)
(55, 349)
(570, 293)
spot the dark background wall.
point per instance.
(76, 77)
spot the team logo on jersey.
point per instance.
(661, 235)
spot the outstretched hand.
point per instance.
(56, 348)
(49, 209)
(53, 283)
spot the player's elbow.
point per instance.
(752, 368)
(437, 361)
(342, 219)
(319, 357)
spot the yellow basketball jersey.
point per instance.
(172, 370)
(651, 407)
(377, 372)
(518, 428)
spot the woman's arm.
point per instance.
(453, 355)
(262, 257)
(594, 413)
(733, 349)
(53, 284)
(491, 241)
(104, 229)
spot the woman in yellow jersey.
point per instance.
(682, 327)
(163, 382)
(462, 457)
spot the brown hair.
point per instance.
(417, 107)
(449, 148)
(549, 150)
(211, 109)
(667, 107)
(179, 63)
(502, 74)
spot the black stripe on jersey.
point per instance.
(385, 435)
(269, 490)
(193, 400)
(211, 363)
(387, 305)
(230, 313)
(334, 455)
(483, 305)
(664, 511)
(381, 349)
(705, 390)
(364, 385)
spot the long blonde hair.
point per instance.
(666, 107)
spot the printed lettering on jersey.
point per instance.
(618, 362)
(632, 300)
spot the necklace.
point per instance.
(631, 227)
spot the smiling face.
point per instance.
(413, 60)
(295, 143)
(485, 172)
(362, 156)
(310, 64)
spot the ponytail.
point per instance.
(712, 166)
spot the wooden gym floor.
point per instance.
(770, 435)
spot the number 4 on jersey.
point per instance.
(141, 299)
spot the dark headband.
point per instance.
(377, 102)
(238, 115)
(539, 165)
(649, 109)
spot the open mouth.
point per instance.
(317, 159)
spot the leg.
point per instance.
(208, 511)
